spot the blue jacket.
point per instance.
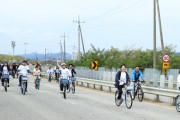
(136, 75)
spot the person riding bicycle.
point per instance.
(5, 69)
(57, 72)
(23, 70)
(71, 68)
(50, 71)
(65, 73)
(122, 78)
(135, 76)
(36, 72)
(14, 68)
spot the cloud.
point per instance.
(27, 31)
(3, 30)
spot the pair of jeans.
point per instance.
(120, 87)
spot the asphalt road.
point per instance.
(86, 104)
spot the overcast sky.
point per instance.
(119, 23)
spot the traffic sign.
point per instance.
(94, 65)
(166, 65)
(166, 57)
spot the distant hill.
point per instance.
(51, 56)
(177, 54)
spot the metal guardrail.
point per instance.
(149, 90)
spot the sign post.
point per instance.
(166, 64)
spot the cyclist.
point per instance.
(36, 72)
(50, 71)
(14, 68)
(57, 72)
(71, 68)
(5, 69)
(23, 70)
(65, 73)
(178, 80)
(135, 76)
(122, 77)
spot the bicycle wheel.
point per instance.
(5, 85)
(140, 94)
(128, 99)
(64, 91)
(73, 87)
(117, 101)
(24, 88)
(178, 103)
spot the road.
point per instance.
(85, 104)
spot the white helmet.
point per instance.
(63, 64)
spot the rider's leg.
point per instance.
(26, 86)
(20, 77)
(2, 80)
(120, 91)
(8, 82)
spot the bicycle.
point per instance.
(72, 85)
(24, 80)
(13, 73)
(5, 77)
(178, 103)
(49, 77)
(37, 82)
(138, 91)
(127, 97)
(65, 83)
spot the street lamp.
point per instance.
(13, 44)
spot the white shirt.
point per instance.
(5, 70)
(23, 70)
(123, 78)
(36, 72)
(50, 70)
(65, 73)
(178, 80)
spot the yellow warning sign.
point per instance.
(94, 65)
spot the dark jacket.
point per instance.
(73, 72)
(118, 76)
(7, 68)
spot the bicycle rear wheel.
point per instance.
(140, 94)
(73, 87)
(24, 88)
(117, 101)
(128, 99)
(178, 103)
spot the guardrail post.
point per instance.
(94, 86)
(157, 98)
(87, 85)
(109, 89)
(162, 81)
(170, 82)
(81, 83)
(101, 87)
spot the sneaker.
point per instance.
(121, 101)
(26, 90)
(8, 85)
(61, 91)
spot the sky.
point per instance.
(123, 24)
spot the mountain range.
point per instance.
(51, 56)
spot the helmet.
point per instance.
(63, 64)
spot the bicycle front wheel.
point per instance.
(5, 85)
(117, 101)
(128, 99)
(73, 87)
(140, 94)
(64, 93)
(178, 103)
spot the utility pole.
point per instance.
(13, 44)
(160, 28)
(45, 55)
(61, 51)
(79, 36)
(64, 37)
(154, 57)
(25, 49)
